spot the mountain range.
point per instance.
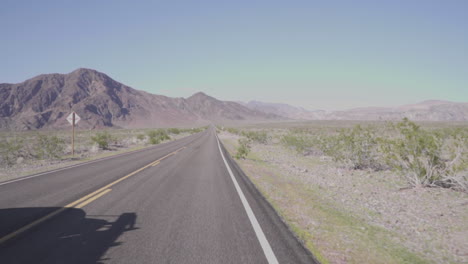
(431, 110)
(43, 102)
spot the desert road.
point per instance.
(183, 201)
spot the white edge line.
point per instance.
(81, 164)
(269, 254)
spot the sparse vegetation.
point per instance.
(425, 157)
(102, 139)
(175, 131)
(26, 152)
(233, 130)
(243, 149)
(345, 187)
(10, 150)
(49, 147)
(157, 136)
(141, 137)
(198, 129)
(357, 147)
(298, 142)
(256, 136)
(418, 155)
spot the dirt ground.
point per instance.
(357, 216)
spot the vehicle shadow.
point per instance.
(69, 237)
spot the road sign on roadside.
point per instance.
(70, 118)
(73, 119)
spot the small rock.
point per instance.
(19, 160)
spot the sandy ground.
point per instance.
(356, 216)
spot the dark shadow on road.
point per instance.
(69, 237)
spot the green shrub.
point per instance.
(154, 140)
(299, 142)
(158, 135)
(10, 150)
(195, 130)
(102, 139)
(356, 148)
(418, 155)
(174, 131)
(243, 149)
(233, 130)
(49, 147)
(140, 137)
(256, 136)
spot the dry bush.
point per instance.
(49, 147)
(418, 155)
(299, 142)
(243, 149)
(158, 135)
(357, 148)
(256, 136)
(103, 139)
(10, 150)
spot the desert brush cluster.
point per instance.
(363, 192)
(20, 148)
(425, 157)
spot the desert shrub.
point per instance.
(356, 148)
(174, 131)
(418, 155)
(10, 150)
(158, 135)
(256, 136)
(102, 139)
(243, 149)
(154, 140)
(141, 137)
(197, 130)
(299, 142)
(49, 147)
(233, 130)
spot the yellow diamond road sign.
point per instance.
(70, 118)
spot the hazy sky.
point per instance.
(315, 54)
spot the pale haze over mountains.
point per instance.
(430, 110)
(43, 102)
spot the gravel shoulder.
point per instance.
(357, 216)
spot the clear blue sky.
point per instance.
(315, 54)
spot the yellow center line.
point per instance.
(83, 200)
(92, 199)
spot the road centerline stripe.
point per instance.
(267, 250)
(92, 196)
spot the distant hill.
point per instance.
(285, 110)
(43, 102)
(431, 110)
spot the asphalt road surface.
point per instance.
(184, 201)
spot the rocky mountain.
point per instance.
(44, 101)
(285, 110)
(432, 110)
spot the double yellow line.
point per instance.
(84, 200)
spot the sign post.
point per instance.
(73, 119)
